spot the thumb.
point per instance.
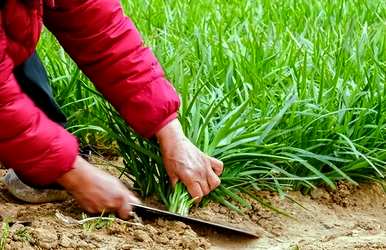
(216, 165)
(124, 210)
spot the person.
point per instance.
(108, 48)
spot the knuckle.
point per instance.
(217, 180)
(217, 183)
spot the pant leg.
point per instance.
(33, 80)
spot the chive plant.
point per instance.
(289, 95)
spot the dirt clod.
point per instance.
(65, 241)
(142, 236)
(45, 238)
(320, 193)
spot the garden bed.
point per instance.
(349, 218)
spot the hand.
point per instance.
(97, 191)
(185, 162)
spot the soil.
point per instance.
(352, 217)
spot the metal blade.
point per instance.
(142, 209)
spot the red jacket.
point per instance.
(107, 47)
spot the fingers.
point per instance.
(195, 191)
(125, 210)
(216, 165)
(99, 192)
(213, 180)
(120, 204)
(173, 179)
(199, 189)
(134, 199)
(200, 184)
(91, 210)
(202, 187)
(205, 187)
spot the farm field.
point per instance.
(290, 95)
(348, 218)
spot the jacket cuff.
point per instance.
(59, 160)
(168, 119)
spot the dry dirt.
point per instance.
(349, 218)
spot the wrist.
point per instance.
(76, 175)
(170, 132)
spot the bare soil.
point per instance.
(348, 218)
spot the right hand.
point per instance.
(96, 191)
(184, 162)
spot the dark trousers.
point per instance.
(33, 80)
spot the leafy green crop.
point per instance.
(288, 94)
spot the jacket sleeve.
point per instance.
(37, 149)
(107, 47)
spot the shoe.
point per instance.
(31, 195)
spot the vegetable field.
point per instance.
(288, 94)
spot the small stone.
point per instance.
(93, 238)
(327, 225)
(19, 245)
(151, 230)
(45, 238)
(8, 212)
(355, 233)
(319, 193)
(216, 209)
(83, 244)
(142, 236)
(162, 239)
(179, 227)
(126, 246)
(161, 223)
(65, 241)
(223, 210)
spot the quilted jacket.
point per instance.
(107, 47)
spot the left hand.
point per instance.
(185, 162)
